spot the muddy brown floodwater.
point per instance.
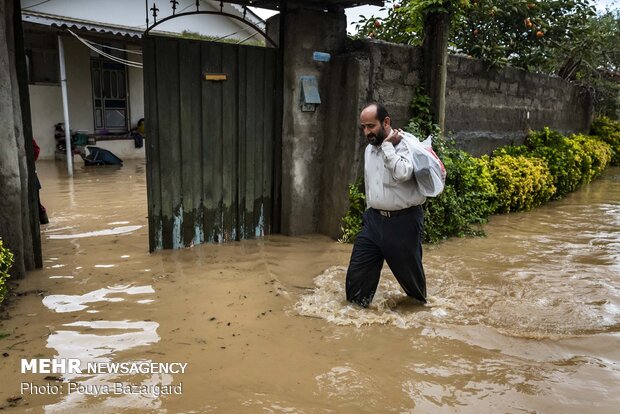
(526, 319)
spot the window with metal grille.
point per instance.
(109, 81)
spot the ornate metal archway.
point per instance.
(154, 12)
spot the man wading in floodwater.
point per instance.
(393, 224)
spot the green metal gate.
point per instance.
(213, 126)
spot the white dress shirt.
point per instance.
(388, 173)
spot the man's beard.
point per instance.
(376, 139)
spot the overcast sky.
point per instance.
(354, 12)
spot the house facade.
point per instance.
(103, 61)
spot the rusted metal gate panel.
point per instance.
(212, 145)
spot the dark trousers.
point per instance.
(398, 240)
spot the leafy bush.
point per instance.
(599, 155)
(608, 131)
(444, 216)
(352, 221)
(422, 124)
(6, 260)
(572, 161)
(474, 184)
(468, 198)
(566, 161)
(522, 183)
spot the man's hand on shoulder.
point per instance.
(395, 136)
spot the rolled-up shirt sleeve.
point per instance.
(398, 161)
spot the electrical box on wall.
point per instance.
(310, 97)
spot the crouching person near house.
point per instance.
(400, 172)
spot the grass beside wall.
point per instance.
(548, 166)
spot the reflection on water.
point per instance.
(99, 347)
(72, 303)
(526, 319)
(106, 232)
(74, 340)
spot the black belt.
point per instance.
(395, 213)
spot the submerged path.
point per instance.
(526, 319)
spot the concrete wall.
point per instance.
(303, 133)
(344, 145)
(79, 87)
(487, 108)
(393, 73)
(46, 100)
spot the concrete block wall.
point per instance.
(394, 72)
(487, 108)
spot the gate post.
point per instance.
(305, 32)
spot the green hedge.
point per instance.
(513, 178)
(608, 130)
(521, 182)
(573, 161)
(6, 260)
(598, 156)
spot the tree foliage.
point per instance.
(523, 33)
(566, 38)
(594, 59)
(405, 20)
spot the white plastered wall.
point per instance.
(46, 100)
(46, 110)
(79, 87)
(136, 88)
(46, 103)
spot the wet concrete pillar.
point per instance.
(303, 130)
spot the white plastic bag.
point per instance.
(428, 169)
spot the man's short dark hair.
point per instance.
(382, 113)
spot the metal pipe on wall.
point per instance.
(65, 105)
